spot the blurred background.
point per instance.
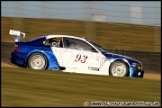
(131, 28)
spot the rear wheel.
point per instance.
(37, 61)
(119, 68)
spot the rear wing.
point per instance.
(17, 35)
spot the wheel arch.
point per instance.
(52, 62)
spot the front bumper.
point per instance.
(134, 72)
(139, 74)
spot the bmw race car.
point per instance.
(71, 54)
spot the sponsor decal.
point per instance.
(93, 68)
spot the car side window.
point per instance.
(77, 44)
(54, 42)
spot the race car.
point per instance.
(71, 54)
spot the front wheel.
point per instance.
(119, 68)
(37, 61)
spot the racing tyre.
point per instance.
(37, 61)
(119, 69)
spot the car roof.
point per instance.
(69, 36)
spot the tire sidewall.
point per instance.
(32, 55)
(111, 66)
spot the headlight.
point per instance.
(136, 65)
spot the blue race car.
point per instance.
(71, 54)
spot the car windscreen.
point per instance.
(98, 47)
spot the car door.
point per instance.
(56, 45)
(80, 56)
(63, 54)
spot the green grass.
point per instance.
(108, 35)
(26, 87)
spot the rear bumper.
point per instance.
(16, 59)
(10, 63)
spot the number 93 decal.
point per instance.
(80, 58)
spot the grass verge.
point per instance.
(26, 87)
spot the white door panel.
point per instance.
(79, 61)
(78, 56)
(68, 58)
(57, 52)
